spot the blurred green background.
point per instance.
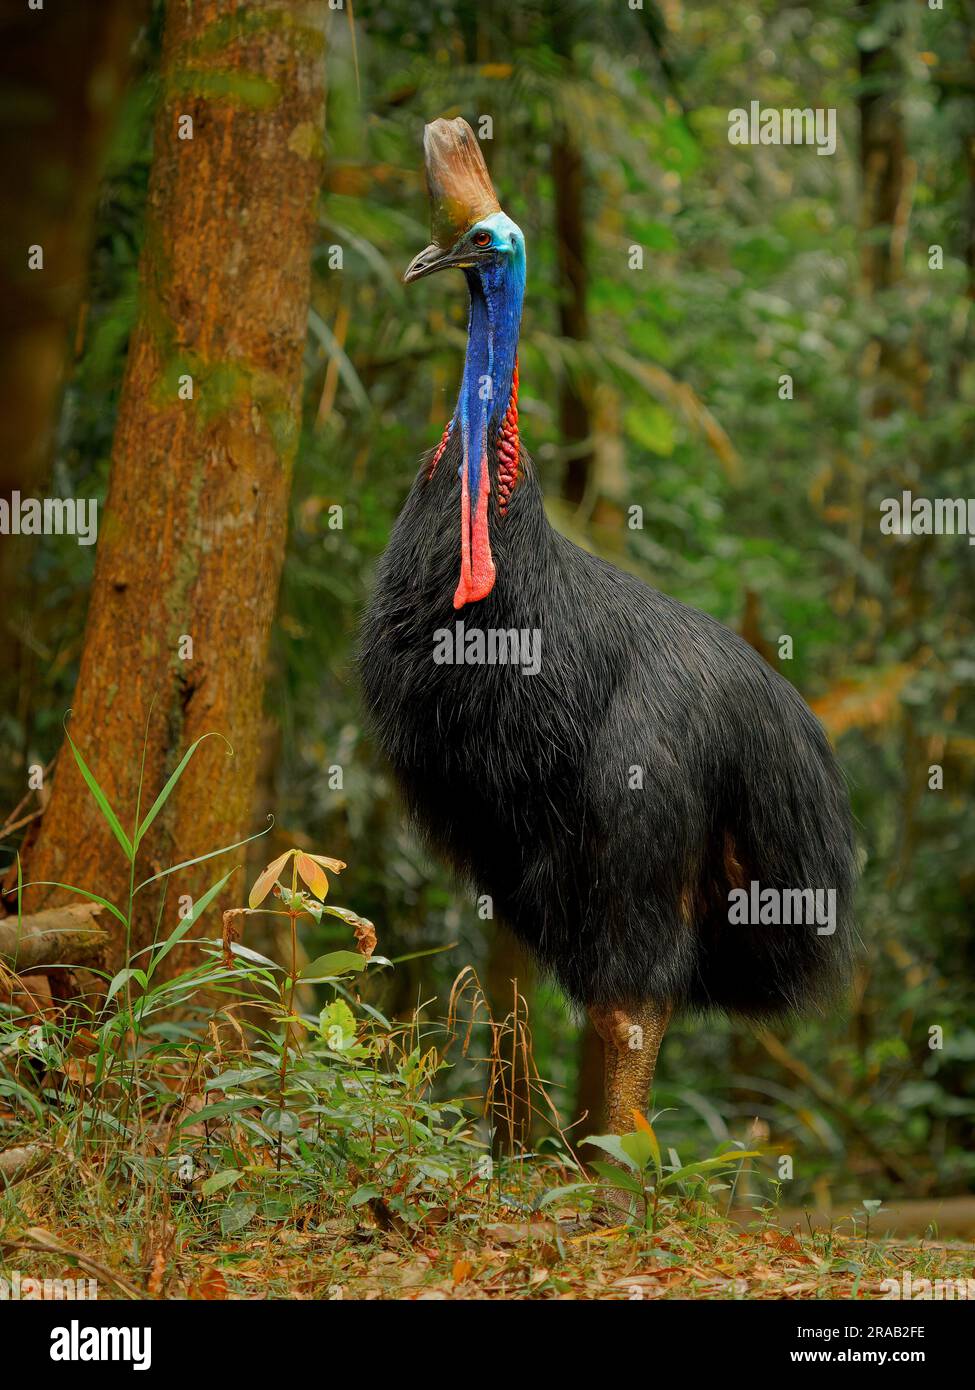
(654, 387)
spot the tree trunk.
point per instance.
(890, 372)
(193, 532)
(575, 422)
(66, 68)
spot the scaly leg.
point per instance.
(631, 1041)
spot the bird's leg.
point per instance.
(631, 1041)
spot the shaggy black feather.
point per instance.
(523, 782)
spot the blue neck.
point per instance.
(497, 292)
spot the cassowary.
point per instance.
(654, 812)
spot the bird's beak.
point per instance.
(430, 259)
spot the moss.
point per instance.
(251, 21)
(225, 388)
(248, 89)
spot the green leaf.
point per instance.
(652, 426)
(221, 1180)
(639, 1145)
(556, 1194)
(83, 892)
(219, 1110)
(254, 957)
(363, 1194)
(708, 1165)
(335, 963)
(163, 796)
(235, 1216)
(612, 1145)
(102, 799)
(337, 1025)
(199, 907)
(616, 1177)
(416, 955)
(123, 978)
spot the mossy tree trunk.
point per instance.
(192, 535)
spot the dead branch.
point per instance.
(56, 936)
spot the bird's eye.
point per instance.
(482, 238)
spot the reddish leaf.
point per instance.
(334, 866)
(266, 880)
(315, 877)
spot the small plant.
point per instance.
(211, 1095)
(637, 1177)
(297, 903)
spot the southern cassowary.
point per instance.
(615, 792)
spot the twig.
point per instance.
(37, 1239)
(8, 828)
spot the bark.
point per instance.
(193, 531)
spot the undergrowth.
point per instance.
(208, 1133)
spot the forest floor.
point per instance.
(480, 1248)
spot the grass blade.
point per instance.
(70, 888)
(199, 907)
(200, 858)
(102, 799)
(163, 796)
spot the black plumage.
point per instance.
(525, 783)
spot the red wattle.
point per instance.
(477, 572)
